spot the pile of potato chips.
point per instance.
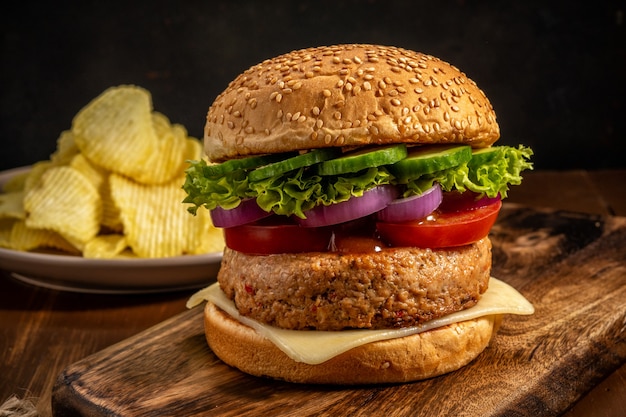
(112, 188)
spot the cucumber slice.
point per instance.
(428, 159)
(244, 163)
(484, 156)
(363, 158)
(303, 160)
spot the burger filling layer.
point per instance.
(395, 287)
(315, 347)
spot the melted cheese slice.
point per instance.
(314, 347)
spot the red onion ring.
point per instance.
(246, 212)
(412, 208)
(370, 202)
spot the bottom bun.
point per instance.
(410, 358)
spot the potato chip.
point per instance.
(111, 219)
(203, 237)
(93, 173)
(6, 226)
(100, 179)
(27, 238)
(105, 246)
(66, 149)
(115, 130)
(66, 202)
(167, 160)
(155, 222)
(35, 174)
(12, 205)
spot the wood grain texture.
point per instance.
(571, 266)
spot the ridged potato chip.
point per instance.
(115, 130)
(105, 246)
(66, 202)
(156, 224)
(111, 218)
(12, 205)
(66, 149)
(36, 172)
(27, 238)
(6, 225)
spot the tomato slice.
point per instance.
(276, 235)
(442, 228)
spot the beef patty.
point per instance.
(396, 287)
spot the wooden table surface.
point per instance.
(43, 331)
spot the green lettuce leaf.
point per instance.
(488, 173)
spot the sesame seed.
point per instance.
(316, 111)
(337, 115)
(326, 93)
(295, 116)
(455, 108)
(395, 102)
(367, 86)
(230, 125)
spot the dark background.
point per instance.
(554, 71)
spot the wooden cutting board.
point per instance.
(572, 267)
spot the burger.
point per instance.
(356, 186)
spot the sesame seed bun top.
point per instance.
(347, 95)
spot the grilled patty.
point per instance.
(396, 287)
